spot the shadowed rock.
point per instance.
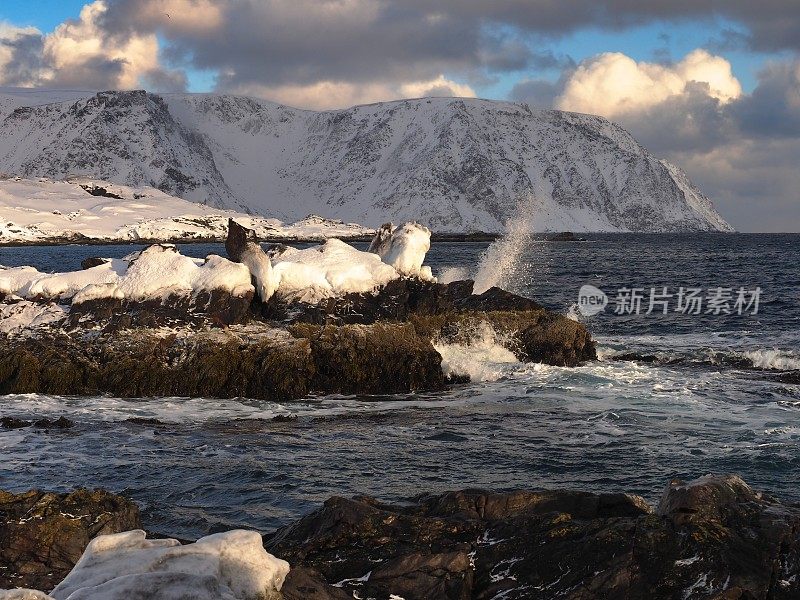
(711, 538)
(42, 535)
(257, 361)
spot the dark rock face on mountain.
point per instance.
(710, 538)
(42, 535)
(454, 164)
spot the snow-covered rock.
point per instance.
(454, 164)
(81, 209)
(404, 248)
(223, 566)
(154, 273)
(334, 268)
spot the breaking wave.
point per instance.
(481, 357)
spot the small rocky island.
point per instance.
(275, 325)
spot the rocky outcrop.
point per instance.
(42, 535)
(256, 361)
(710, 538)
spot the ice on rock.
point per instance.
(331, 269)
(155, 272)
(404, 248)
(260, 267)
(223, 566)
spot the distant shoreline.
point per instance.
(436, 237)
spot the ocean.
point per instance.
(695, 394)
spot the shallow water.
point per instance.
(709, 403)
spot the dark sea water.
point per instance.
(708, 401)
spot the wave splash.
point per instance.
(482, 357)
(502, 257)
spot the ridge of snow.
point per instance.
(43, 210)
(229, 566)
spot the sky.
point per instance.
(710, 85)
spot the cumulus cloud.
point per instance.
(82, 53)
(613, 83)
(20, 51)
(331, 94)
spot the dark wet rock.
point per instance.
(789, 377)
(42, 535)
(438, 311)
(304, 583)
(383, 358)
(216, 308)
(59, 423)
(255, 362)
(13, 423)
(284, 418)
(533, 336)
(710, 538)
(238, 240)
(97, 190)
(94, 261)
(565, 236)
(395, 301)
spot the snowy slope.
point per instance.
(49, 211)
(453, 164)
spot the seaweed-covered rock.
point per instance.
(42, 535)
(711, 538)
(382, 358)
(255, 361)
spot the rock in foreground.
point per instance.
(711, 538)
(43, 535)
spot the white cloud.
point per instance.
(612, 83)
(75, 44)
(83, 53)
(339, 94)
(10, 35)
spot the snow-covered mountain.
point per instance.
(453, 164)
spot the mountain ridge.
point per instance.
(455, 164)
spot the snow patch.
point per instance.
(334, 268)
(44, 210)
(155, 272)
(228, 566)
(27, 316)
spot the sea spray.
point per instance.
(480, 355)
(451, 274)
(502, 257)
